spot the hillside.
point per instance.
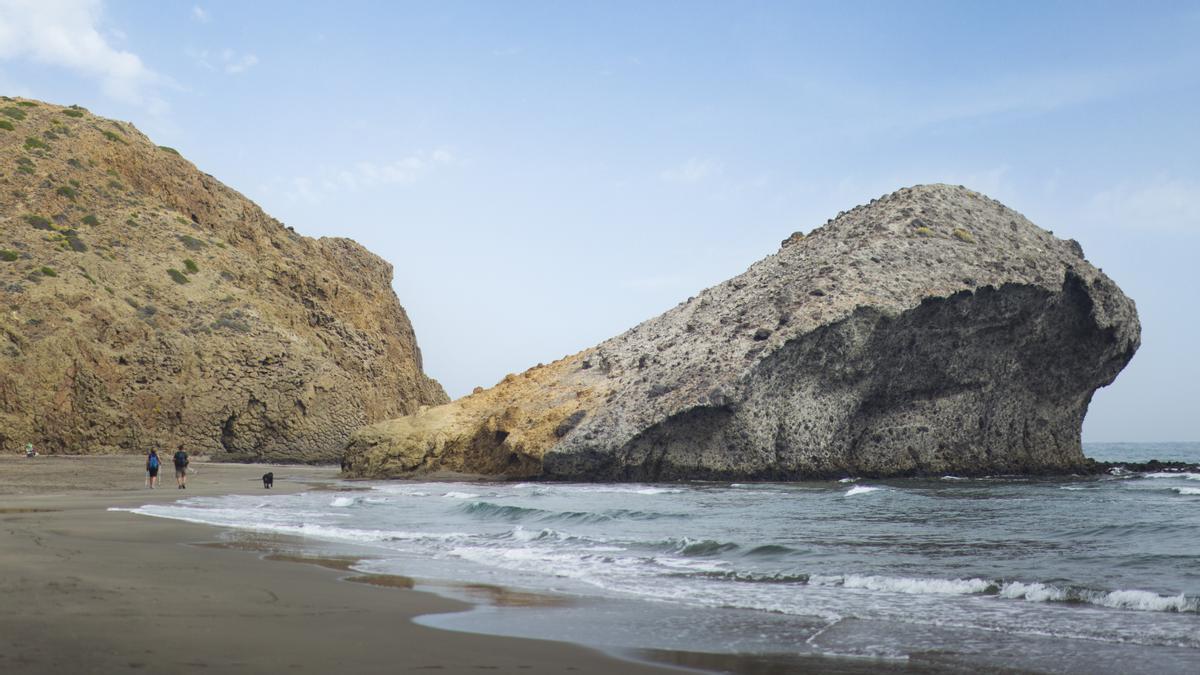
(144, 303)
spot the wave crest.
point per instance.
(699, 548)
(859, 490)
(910, 585)
(492, 511)
(1147, 601)
(1122, 599)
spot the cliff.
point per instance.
(931, 331)
(143, 303)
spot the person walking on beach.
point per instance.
(152, 464)
(181, 466)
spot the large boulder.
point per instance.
(146, 304)
(931, 331)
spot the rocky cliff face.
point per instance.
(144, 303)
(931, 331)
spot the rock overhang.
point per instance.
(985, 273)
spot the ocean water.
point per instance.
(1076, 574)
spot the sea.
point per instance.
(1095, 574)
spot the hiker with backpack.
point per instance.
(181, 466)
(152, 464)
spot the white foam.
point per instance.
(859, 490)
(1178, 474)
(460, 495)
(1033, 592)
(266, 521)
(1147, 601)
(954, 478)
(908, 585)
(559, 564)
(1178, 489)
(341, 502)
(521, 534)
(692, 565)
(1013, 590)
(1124, 599)
(419, 489)
(847, 480)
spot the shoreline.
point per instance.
(88, 589)
(91, 590)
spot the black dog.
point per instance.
(268, 479)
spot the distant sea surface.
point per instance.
(1086, 574)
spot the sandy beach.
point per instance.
(88, 590)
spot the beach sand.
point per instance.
(88, 590)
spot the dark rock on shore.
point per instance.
(931, 331)
(1152, 466)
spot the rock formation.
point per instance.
(144, 303)
(931, 331)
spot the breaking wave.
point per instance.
(1015, 590)
(1121, 599)
(699, 548)
(492, 511)
(859, 490)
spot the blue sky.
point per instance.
(546, 175)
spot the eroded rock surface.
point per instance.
(931, 331)
(144, 303)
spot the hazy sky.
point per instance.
(546, 175)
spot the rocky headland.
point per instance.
(144, 303)
(930, 331)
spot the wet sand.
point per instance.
(87, 590)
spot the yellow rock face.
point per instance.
(501, 431)
(143, 303)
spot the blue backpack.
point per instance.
(153, 461)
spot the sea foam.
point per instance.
(859, 490)
(1014, 590)
(910, 585)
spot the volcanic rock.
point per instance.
(146, 304)
(931, 331)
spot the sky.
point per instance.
(545, 175)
